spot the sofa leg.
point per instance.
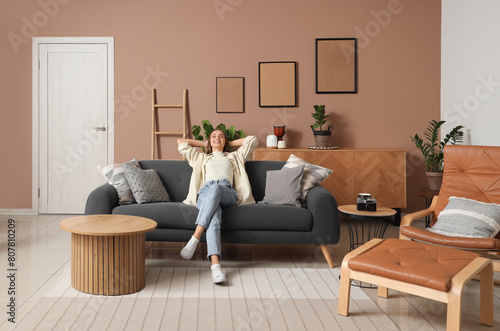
(327, 255)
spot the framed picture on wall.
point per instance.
(336, 65)
(230, 95)
(277, 84)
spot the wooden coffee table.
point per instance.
(107, 253)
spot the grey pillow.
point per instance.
(146, 185)
(468, 218)
(283, 186)
(115, 175)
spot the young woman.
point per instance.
(218, 180)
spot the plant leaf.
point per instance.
(196, 129)
(208, 128)
(231, 132)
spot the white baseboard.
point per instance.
(18, 212)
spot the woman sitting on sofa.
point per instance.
(218, 180)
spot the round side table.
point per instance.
(107, 253)
(372, 223)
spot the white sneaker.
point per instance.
(217, 275)
(188, 251)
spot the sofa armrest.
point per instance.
(102, 200)
(323, 207)
(408, 219)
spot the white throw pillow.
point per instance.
(313, 174)
(115, 175)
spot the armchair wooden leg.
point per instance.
(344, 291)
(486, 283)
(327, 255)
(383, 292)
(454, 314)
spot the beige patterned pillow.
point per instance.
(115, 175)
(313, 174)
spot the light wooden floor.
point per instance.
(43, 252)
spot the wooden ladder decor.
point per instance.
(156, 133)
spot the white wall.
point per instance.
(470, 68)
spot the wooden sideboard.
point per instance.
(380, 172)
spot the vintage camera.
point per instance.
(365, 202)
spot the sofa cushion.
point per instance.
(313, 174)
(174, 174)
(115, 176)
(283, 186)
(177, 215)
(170, 215)
(266, 217)
(145, 184)
(256, 171)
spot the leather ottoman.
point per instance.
(433, 272)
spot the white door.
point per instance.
(73, 102)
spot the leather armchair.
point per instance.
(471, 172)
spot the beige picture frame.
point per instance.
(277, 84)
(230, 94)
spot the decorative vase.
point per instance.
(322, 137)
(434, 179)
(272, 141)
(279, 131)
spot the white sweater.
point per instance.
(198, 161)
(219, 167)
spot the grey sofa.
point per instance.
(247, 224)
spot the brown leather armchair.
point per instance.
(471, 172)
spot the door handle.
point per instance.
(100, 128)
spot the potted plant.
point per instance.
(232, 133)
(433, 150)
(321, 137)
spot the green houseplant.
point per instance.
(321, 137)
(232, 133)
(433, 150)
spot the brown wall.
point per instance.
(190, 43)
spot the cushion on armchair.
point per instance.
(468, 218)
(457, 242)
(472, 172)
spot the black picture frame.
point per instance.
(278, 84)
(336, 65)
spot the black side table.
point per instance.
(372, 223)
(428, 194)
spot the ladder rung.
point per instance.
(169, 133)
(169, 106)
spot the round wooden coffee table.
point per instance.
(107, 253)
(373, 223)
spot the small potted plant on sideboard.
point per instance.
(433, 150)
(321, 137)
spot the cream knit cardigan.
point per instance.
(198, 160)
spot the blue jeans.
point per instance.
(212, 197)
